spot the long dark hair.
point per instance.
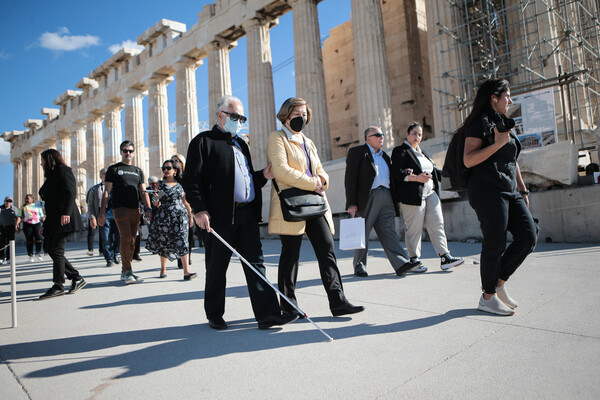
(176, 167)
(52, 159)
(483, 98)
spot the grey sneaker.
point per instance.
(128, 277)
(505, 298)
(494, 306)
(448, 261)
(419, 270)
(137, 278)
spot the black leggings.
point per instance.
(32, 231)
(498, 213)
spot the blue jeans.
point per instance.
(109, 239)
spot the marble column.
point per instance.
(310, 78)
(63, 145)
(261, 99)
(78, 160)
(18, 196)
(158, 123)
(113, 135)
(27, 175)
(373, 95)
(95, 149)
(134, 125)
(187, 102)
(219, 76)
(37, 173)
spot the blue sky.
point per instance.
(47, 47)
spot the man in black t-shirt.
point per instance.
(127, 184)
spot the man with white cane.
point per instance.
(224, 192)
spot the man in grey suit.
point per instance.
(369, 193)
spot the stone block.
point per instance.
(549, 165)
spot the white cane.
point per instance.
(264, 278)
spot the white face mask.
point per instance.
(233, 127)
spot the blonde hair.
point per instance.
(181, 159)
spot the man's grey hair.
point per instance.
(223, 103)
(103, 171)
(369, 129)
(152, 179)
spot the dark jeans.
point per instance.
(110, 239)
(498, 213)
(7, 233)
(128, 221)
(32, 233)
(55, 246)
(90, 237)
(321, 239)
(243, 236)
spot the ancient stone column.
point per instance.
(134, 125)
(261, 99)
(95, 149)
(113, 135)
(18, 196)
(158, 123)
(219, 78)
(63, 145)
(78, 160)
(37, 173)
(373, 95)
(187, 102)
(310, 79)
(27, 175)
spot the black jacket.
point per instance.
(360, 174)
(410, 192)
(208, 179)
(59, 192)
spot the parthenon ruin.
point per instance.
(396, 61)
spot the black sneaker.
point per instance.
(77, 285)
(54, 291)
(408, 267)
(448, 261)
(137, 258)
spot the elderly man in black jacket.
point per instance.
(369, 192)
(224, 192)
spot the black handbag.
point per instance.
(300, 205)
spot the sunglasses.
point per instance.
(234, 117)
(130, 151)
(167, 168)
(377, 135)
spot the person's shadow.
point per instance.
(177, 345)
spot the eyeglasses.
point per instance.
(378, 134)
(234, 117)
(130, 151)
(167, 168)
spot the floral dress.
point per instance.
(168, 230)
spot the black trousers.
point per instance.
(32, 233)
(498, 213)
(7, 233)
(321, 239)
(90, 237)
(55, 247)
(243, 236)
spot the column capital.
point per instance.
(158, 78)
(259, 20)
(219, 43)
(33, 124)
(187, 62)
(94, 116)
(111, 106)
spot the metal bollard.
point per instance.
(13, 283)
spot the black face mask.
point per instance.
(297, 124)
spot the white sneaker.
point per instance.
(31, 259)
(137, 278)
(504, 297)
(494, 306)
(39, 257)
(90, 253)
(1, 262)
(128, 277)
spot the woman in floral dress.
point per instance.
(168, 232)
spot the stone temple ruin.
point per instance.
(395, 62)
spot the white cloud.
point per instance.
(4, 152)
(127, 43)
(4, 55)
(62, 41)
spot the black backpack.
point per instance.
(454, 173)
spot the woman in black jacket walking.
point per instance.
(62, 217)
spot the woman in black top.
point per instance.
(497, 193)
(62, 217)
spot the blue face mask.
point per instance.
(232, 127)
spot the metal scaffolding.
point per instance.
(534, 44)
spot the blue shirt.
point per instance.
(382, 172)
(243, 191)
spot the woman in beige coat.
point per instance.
(295, 163)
